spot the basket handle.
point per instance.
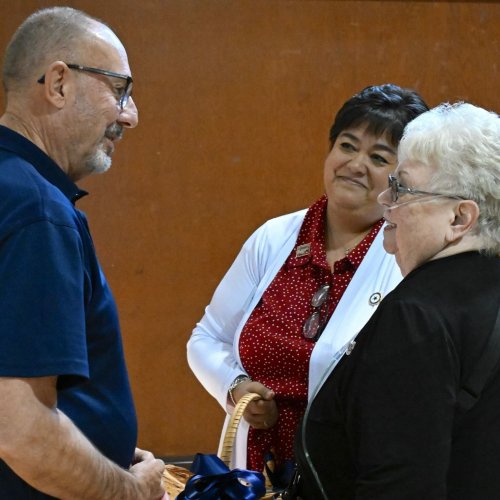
(232, 427)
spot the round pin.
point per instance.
(375, 298)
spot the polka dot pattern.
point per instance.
(272, 347)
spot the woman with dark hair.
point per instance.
(304, 284)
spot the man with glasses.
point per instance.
(68, 425)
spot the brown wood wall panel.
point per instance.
(235, 100)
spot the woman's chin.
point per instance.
(390, 245)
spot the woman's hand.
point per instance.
(260, 413)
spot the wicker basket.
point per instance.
(175, 478)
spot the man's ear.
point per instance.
(466, 215)
(58, 80)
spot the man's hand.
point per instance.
(45, 448)
(148, 471)
(260, 413)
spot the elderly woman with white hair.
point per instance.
(412, 410)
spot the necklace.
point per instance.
(356, 242)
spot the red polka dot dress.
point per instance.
(272, 346)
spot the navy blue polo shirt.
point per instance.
(57, 314)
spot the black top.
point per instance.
(385, 424)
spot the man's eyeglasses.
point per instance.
(124, 94)
(314, 325)
(396, 188)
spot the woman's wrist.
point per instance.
(235, 383)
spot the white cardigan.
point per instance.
(213, 352)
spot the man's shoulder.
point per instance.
(26, 196)
(18, 177)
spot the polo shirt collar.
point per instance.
(41, 162)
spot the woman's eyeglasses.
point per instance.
(314, 325)
(396, 188)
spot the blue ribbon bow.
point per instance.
(214, 481)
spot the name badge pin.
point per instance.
(303, 250)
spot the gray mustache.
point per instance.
(114, 131)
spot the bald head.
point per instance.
(57, 33)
